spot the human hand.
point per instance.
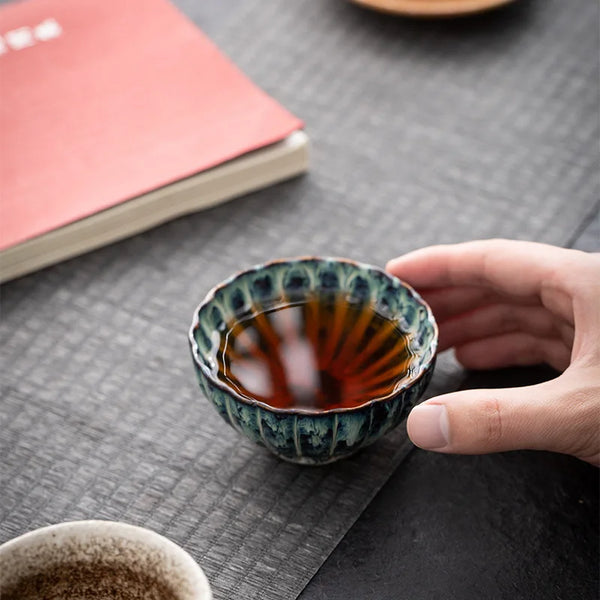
(500, 303)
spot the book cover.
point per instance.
(104, 101)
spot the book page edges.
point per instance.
(248, 173)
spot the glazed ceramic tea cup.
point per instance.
(313, 358)
(98, 560)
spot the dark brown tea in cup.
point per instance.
(321, 353)
(90, 581)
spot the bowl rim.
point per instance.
(409, 382)
(88, 530)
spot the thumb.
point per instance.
(549, 416)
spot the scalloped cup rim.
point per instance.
(407, 383)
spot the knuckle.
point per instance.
(530, 351)
(581, 272)
(583, 404)
(586, 398)
(506, 320)
(492, 421)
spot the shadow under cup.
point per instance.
(313, 358)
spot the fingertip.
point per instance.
(390, 266)
(402, 264)
(428, 426)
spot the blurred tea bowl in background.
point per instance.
(96, 560)
(313, 358)
(432, 8)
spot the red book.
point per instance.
(117, 116)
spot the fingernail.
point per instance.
(428, 426)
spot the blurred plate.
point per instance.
(432, 8)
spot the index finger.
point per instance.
(511, 267)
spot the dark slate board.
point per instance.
(510, 526)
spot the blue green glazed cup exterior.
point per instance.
(305, 436)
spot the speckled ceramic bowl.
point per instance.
(303, 435)
(98, 559)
